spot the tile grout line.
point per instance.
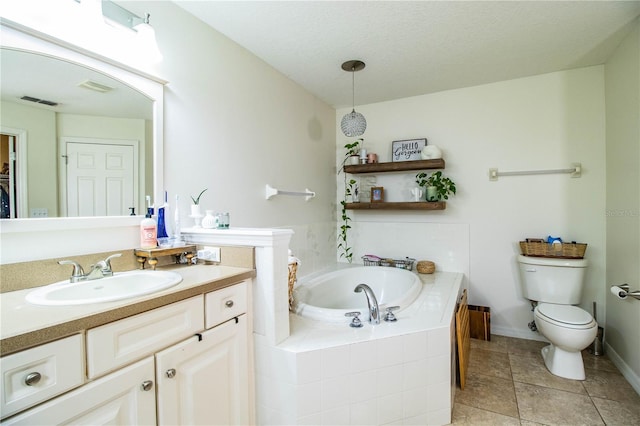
(513, 386)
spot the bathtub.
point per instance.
(329, 296)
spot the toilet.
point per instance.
(556, 285)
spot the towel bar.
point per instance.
(271, 191)
(575, 171)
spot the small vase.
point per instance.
(432, 193)
(209, 220)
(196, 215)
(354, 159)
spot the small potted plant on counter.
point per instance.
(437, 187)
(195, 207)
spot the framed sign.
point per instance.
(407, 150)
(377, 194)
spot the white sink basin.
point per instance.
(123, 285)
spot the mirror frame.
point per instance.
(19, 37)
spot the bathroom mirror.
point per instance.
(130, 110)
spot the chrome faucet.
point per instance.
(374, 313)
(99, 270)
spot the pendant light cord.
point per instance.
(353, 88)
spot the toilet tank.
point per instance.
(552, 280)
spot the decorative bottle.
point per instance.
(162, 230)
(148, 231)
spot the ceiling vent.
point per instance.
(39, 101)
(92, 85)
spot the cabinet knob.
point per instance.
(171, 373)
(229, 303)
(147, 385)
(32, 378)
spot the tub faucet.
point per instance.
(374, 313)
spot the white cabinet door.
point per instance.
(125, 397)
(204, 380)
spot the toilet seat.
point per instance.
(566, 316)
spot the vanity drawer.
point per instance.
(50, 369)
(121, 342)
(224, 304)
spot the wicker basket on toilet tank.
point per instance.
(556, 250)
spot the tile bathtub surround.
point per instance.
(508, 383)
(390, 373)
(394, 379)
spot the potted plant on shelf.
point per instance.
(352, 156)
(195, 207)
(437, 187)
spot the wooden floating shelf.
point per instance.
(412, 205)
(398, 166)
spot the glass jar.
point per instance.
(224, 221)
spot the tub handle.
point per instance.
(389, 317)
(355, 322)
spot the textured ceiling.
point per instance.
(418, 47)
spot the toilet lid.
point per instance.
(564, 313)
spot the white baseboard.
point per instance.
(520, 334)
(626, 371)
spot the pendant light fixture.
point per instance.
(353, 123)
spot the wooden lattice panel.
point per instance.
(463, 338)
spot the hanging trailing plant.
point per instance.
(343, 244)
(350, 188)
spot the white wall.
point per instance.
(622, 334)
(541, 122)
(234, 124)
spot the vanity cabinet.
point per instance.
(398, 166)
(167, 366)
(205, 379)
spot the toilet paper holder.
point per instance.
(622, 291)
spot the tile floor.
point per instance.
(508, 384)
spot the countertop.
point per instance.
(24, 325)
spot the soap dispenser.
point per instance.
(148, 231)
